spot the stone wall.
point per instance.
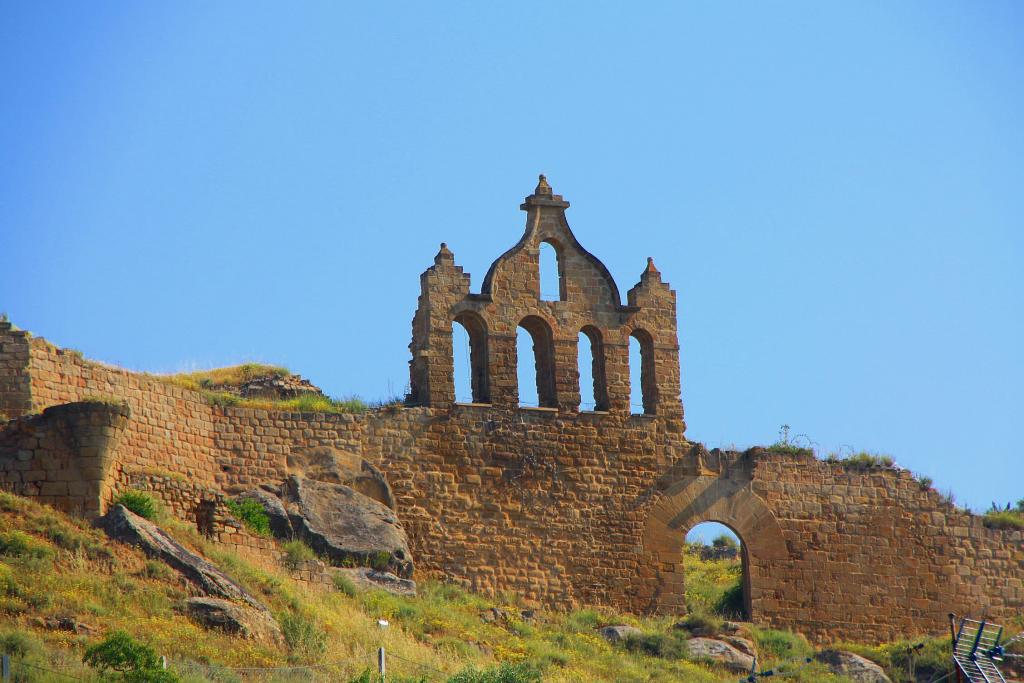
(63, 457)
(565, 508)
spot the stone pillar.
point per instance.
(431, 368)
(15, 381)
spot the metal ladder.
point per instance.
(976, 649)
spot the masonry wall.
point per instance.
(565, 508)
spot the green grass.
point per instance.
(863, 461)
(53, 565)
(713, 586)
(1008, 518)
(252, 514)
(138, 502)
(296, 552)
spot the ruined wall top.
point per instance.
(510, 297)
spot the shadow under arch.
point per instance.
(687, 502)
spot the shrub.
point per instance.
(18, 644)
(924, 482)
(295, 553)
(867, 461)
(664, 645)
(725, 541)
(505, 673)
(343, 584)
(121, 657)
(20, 544)
(154, 569)
(774, 644)
(252, 514)
(305, 639)
(138, 502)
(701, 623)
(1009, 518)
(379, 560)
(731, 603)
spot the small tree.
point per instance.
(725, 541)
(123, 658)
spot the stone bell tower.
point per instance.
(589, 303)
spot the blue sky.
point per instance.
(834, 191)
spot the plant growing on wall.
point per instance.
(138, 502)
(252, 514)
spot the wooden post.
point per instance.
(5, 668)
(381, 668)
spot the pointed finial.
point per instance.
(543, 189)
(444, 255)
(544, 196)
(650, 265)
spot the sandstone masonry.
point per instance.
(564, 506)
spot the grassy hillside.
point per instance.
(52, 566)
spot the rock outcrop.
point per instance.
(252, 616)
(719, 652)
(234, 618)
(366, 577)
(339, 467)
(345, 527)
(853, 666)
(618, 633)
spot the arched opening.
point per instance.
(534, 338)
(552, 287)
(469, 359)
(643, 395)
(715, 572)
(590, 358)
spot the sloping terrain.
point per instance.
(65, 586)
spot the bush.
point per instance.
(731, 603)
(1003, 519)
(379, 560)
(774, 644)
(19, 644)
(22, 546)
(304, 638)
(343, 584)
(138, 502)
(865, 461)
(505, 673)
(121, 657)
(701, 624)
(664, 645)
(252, 514)
(295, 553)
(725, 541)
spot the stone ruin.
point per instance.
(565, 506)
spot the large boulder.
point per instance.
(122, 524)
(339, 467)
(345, 527)
(619, 632)
(369, 578)
(853, 666)
(234, 618)
(720, 653)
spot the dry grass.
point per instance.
(234, 376)
(61, 567)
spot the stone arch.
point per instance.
(544, 358)
(688, 501)
(598, 372)
(648, 374)
(476, 328)
(543, 264)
